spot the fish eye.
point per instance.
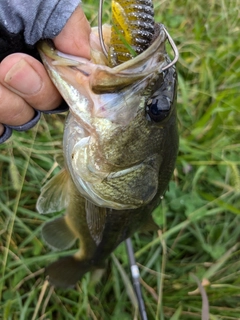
(158, 108)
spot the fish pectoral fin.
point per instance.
(65, 272)
(54, 194)
(59, 158)
(57, 234)
(150, 225)
(96, 219)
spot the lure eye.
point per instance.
(158, 108)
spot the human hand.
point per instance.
(24, 82)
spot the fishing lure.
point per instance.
(132, 29)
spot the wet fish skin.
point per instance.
(121, 166)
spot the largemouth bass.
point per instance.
(120, 145)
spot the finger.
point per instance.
(1, 129)
(14, 110)
(26, 77)
(74, 37)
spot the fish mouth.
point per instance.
(79, 79)
(104, 78)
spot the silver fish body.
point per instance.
(120, 146)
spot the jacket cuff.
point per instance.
(30, 124)
(6, 134)
(62, 108)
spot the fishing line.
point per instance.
(136, 279)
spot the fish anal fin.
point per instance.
(65, 272)
(150, 225)
(96, 274)
(54, 194)
(57, 234)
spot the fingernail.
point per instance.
(23, 78)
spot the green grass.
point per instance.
(199, 216)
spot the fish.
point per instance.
(120, 146)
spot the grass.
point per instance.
(199, 216)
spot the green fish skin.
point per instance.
(120, 146)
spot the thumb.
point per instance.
(74, 37)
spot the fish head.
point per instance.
(120, 141)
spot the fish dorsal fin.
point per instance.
(150, 225)
(96, 217)
(54, 194)
(57, 234)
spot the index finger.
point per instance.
(75, 36)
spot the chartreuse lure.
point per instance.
(132, 29)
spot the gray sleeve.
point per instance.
(37, 19)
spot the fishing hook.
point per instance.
(100, 12)
(175, 50)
